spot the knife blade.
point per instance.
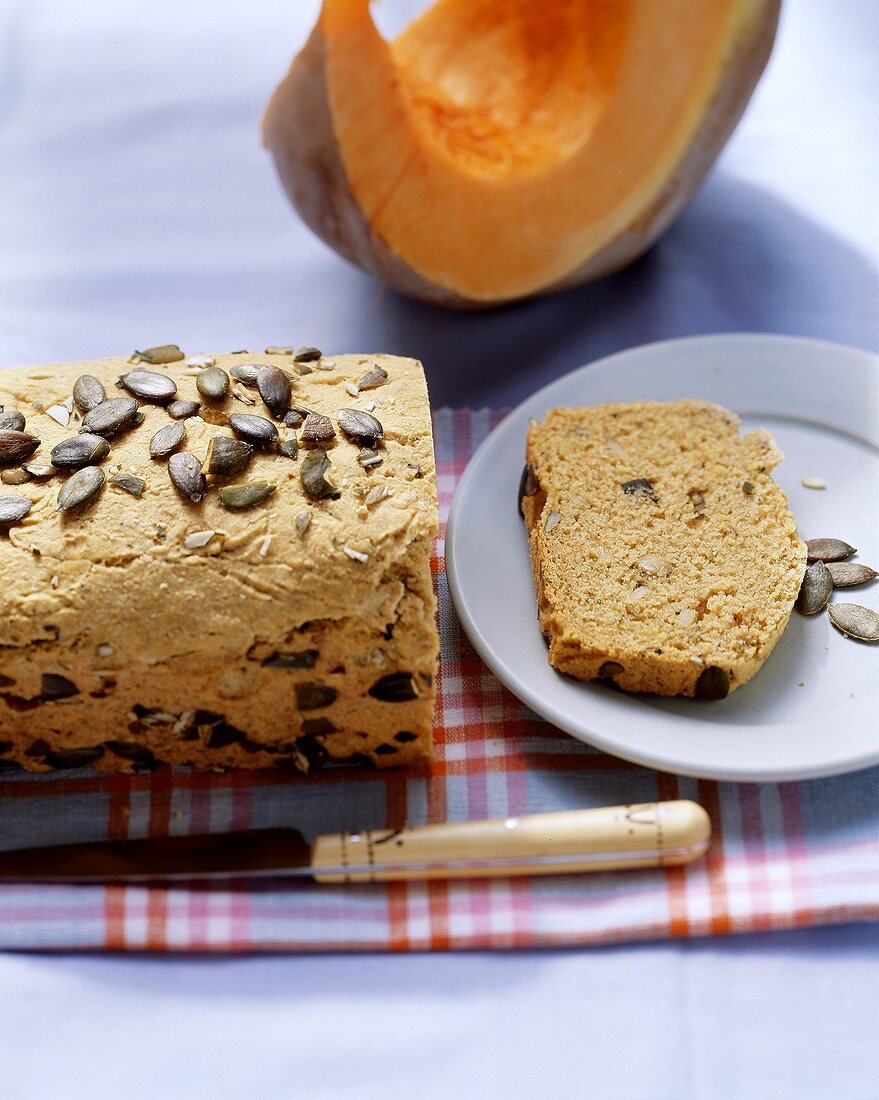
(610, 838)
(203, 856)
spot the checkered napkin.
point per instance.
(783, 855)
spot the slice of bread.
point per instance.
(665, 557)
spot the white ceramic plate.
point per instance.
(813, 709)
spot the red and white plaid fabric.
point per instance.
(783, 855)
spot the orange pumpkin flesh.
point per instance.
(500, 148)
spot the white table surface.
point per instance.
(136, 207)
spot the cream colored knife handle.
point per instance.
(651, 834)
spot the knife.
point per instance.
(651, 834)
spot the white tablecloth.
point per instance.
(136, 207)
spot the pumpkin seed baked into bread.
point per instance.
(665, 557)
(239, 575)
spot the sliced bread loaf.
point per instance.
(665, 557)
(159, 618)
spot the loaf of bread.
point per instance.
(665, 557)
(208, 589)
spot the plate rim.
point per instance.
(545, 709)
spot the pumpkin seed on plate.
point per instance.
(860, 623)
(828, 550)
(815, 590)
(847, 574)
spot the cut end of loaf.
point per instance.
(665, 556)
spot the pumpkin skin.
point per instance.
(500, 149)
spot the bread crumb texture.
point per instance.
(140, 630)
(665, 556)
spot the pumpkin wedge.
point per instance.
(499, 149)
